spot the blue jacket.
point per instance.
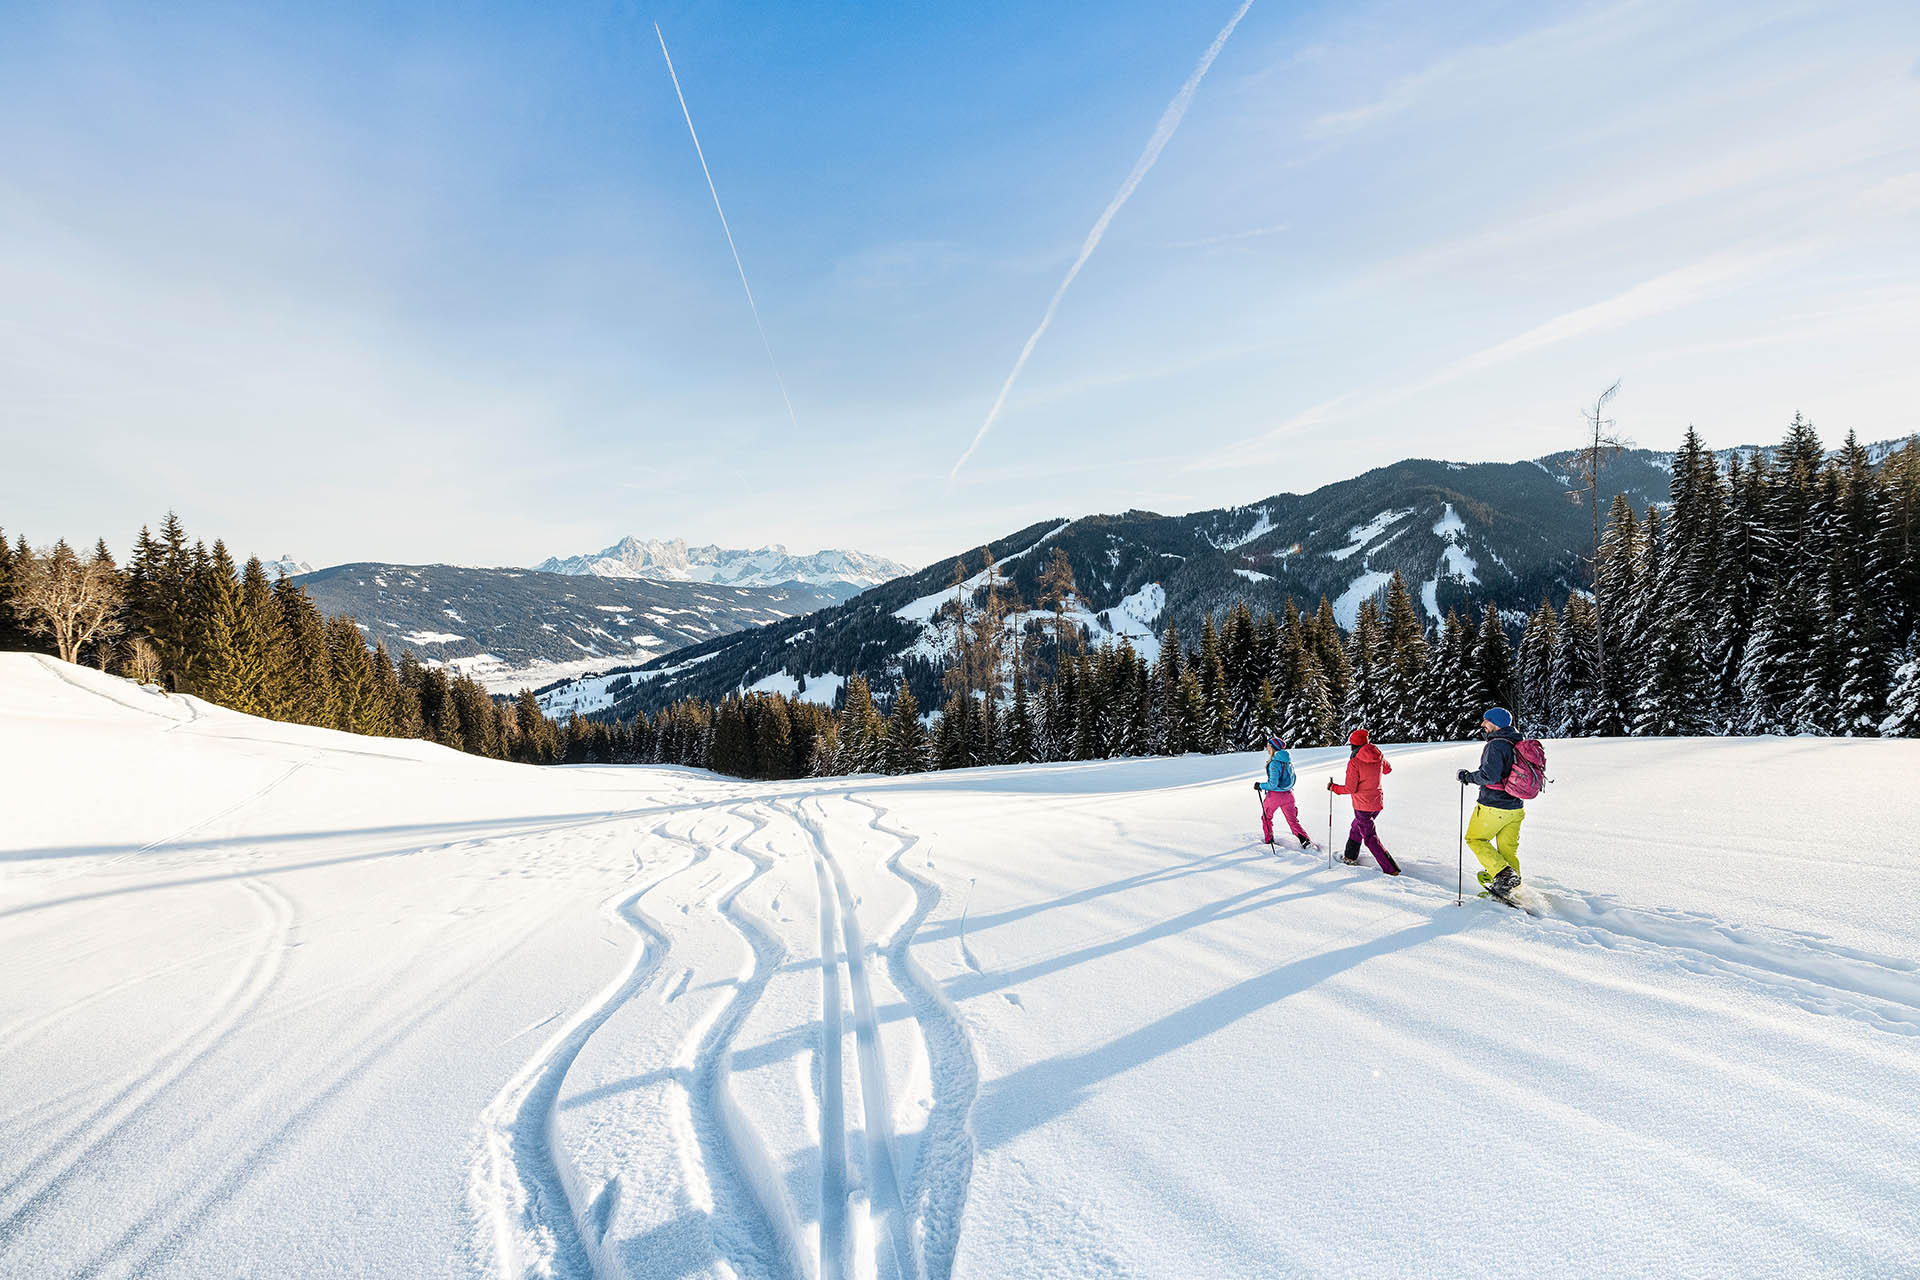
(1496, 762)
(1279, 774)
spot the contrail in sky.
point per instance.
(751, 304)
(1162, 134)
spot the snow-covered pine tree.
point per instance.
(1306, 718)
(1169, 727)
(1746, 549)
(1618, 608)
(1216, 726)
(1367, 655)
(1493, 660)
(1330, 653)
(1782, 660)
(1240, 662)
(1406, 645)
(1903, 700)
(862, 737)
(1539, 650)
(1898, 537)
(1576, 672)
(905, 749)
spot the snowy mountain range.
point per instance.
(287, 567)
(1463, 535)
(673, 560)
(515, 628)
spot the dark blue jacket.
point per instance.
(1496, 762)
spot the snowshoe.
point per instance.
(1483, 877)
(1308, 846)
(1351, 859)
(1503, 885)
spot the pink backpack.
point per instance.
(1528, 777)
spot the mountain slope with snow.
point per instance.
(514, 629)
(287, 1001)
(672, 560)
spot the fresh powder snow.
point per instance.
(285, 1001)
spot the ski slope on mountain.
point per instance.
(286, 1001)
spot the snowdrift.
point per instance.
(287, 1001)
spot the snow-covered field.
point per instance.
(281, 1001)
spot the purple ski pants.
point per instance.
(1283, 801)
(1362, 832)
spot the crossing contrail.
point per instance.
(1162, 133)
(734, 249)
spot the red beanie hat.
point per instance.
(1358, 738)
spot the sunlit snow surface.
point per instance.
(286, 1002)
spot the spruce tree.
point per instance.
(1018, 738)
(1493, 660)
(1903, 700)
(1539, 654)
(906, 740)
(1170, 730)
(1618, 609)
(1402, 715)
(1368, 657)
(1576, 673)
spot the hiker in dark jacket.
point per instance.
(1494, 831)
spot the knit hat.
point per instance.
(1499, 718)
(1358, 738)
(1273, 740)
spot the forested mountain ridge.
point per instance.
(511, 628)
(1462, 535)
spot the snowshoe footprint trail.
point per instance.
(885, 1191)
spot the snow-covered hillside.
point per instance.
(672, 560)
(282, 1001)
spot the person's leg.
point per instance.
(1355, 833)
(1371, 836)
(1508, 842)
(1269, 801)
(1292, 812)
(1482, 828)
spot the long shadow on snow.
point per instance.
(1043, 1091)
(973, 985)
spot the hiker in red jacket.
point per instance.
(1364, 769)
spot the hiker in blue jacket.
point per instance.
(1277, 793)
(1494, 831)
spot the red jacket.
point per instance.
(1363, 779)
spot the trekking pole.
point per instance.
(1459, 854)
(1329, 829)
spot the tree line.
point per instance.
(1774, 593)
(182, 616)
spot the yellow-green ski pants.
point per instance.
(1494, 837)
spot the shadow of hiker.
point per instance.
(1044, 1090)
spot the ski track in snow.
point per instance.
(876, 1111)
(179, 1215)
(71, 1149)
(747, 1225)
(724, 1128)
(944, 1168)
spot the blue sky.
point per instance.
(442, 283)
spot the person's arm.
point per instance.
(1494, 759)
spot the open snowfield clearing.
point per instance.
(286, 1002)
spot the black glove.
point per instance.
(1329, 784)
(1256, 786)
(1465, 776)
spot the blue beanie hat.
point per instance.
(1273, 740)
(1499, 718)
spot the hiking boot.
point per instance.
(1505, 883)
